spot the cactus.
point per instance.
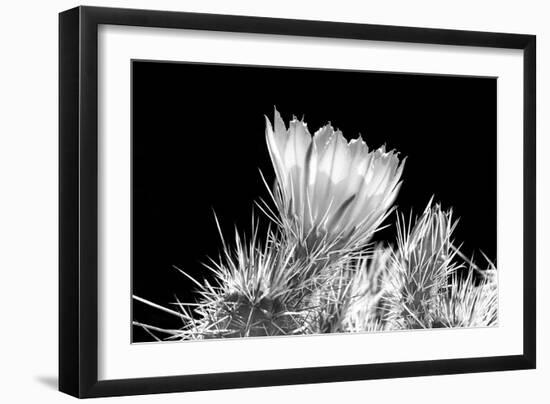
(318, 271)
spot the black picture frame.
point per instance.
(78, 204)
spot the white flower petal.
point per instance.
(330, 186)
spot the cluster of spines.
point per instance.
(275, 289)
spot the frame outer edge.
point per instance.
(69, 80)
(78, 203)
(88, 327)
(529, 201)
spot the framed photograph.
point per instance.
(252, 201)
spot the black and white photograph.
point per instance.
(276, 201)
(211, 201)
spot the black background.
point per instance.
(198, 142)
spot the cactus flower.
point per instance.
(329, 189)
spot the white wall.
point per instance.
(28, 198)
